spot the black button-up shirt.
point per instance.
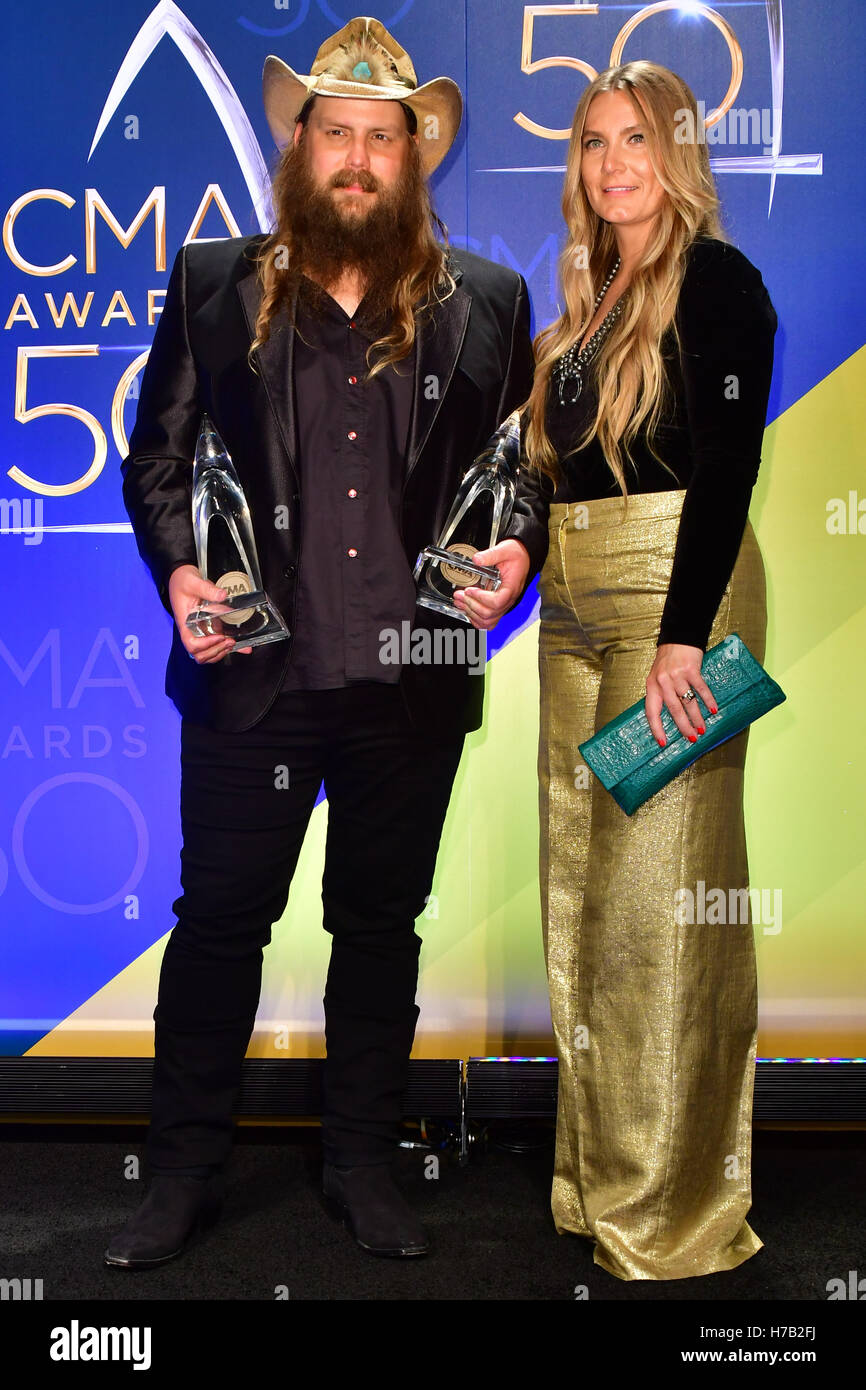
(354, 580)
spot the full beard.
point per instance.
(381, 244)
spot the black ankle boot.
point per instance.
(175, 1210)
(374, 1209)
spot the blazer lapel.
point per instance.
(438, 346)
(274, 360)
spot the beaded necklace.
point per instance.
(568, 370)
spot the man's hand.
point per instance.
(484, 607)
(186, 589)
(675, 671)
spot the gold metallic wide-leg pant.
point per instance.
(655, 1019)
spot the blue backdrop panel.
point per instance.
(114, 105)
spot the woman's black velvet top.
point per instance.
(711, 437)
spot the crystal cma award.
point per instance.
(433, 528)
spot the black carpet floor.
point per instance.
(64, 1192)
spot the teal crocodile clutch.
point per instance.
(630, 764)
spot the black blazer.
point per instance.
(478, 348)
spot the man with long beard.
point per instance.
(354, 367)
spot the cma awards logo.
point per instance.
(62, 830)
(24, 517)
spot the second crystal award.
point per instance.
(481, 511)
(226, 551)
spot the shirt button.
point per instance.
(353, 381)
(288, 571)
(352, 324)
(353, 434)
(352, 492)
(351, 552)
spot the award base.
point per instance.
(439, 572)
(250, 619)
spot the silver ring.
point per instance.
(689, 695)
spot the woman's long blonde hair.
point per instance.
(632, 384)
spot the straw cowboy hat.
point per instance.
(363, 60)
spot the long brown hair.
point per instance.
(632, 383)
(414, 280)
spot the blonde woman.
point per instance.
(643, 438)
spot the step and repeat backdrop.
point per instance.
(137, 127)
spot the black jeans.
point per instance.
(388, 788)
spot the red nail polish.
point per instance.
(714, 709)
(702, 730)
(662, 742)
(693, 738)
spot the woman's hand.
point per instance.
(675, 671)
(186, 590)
(484, 607)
